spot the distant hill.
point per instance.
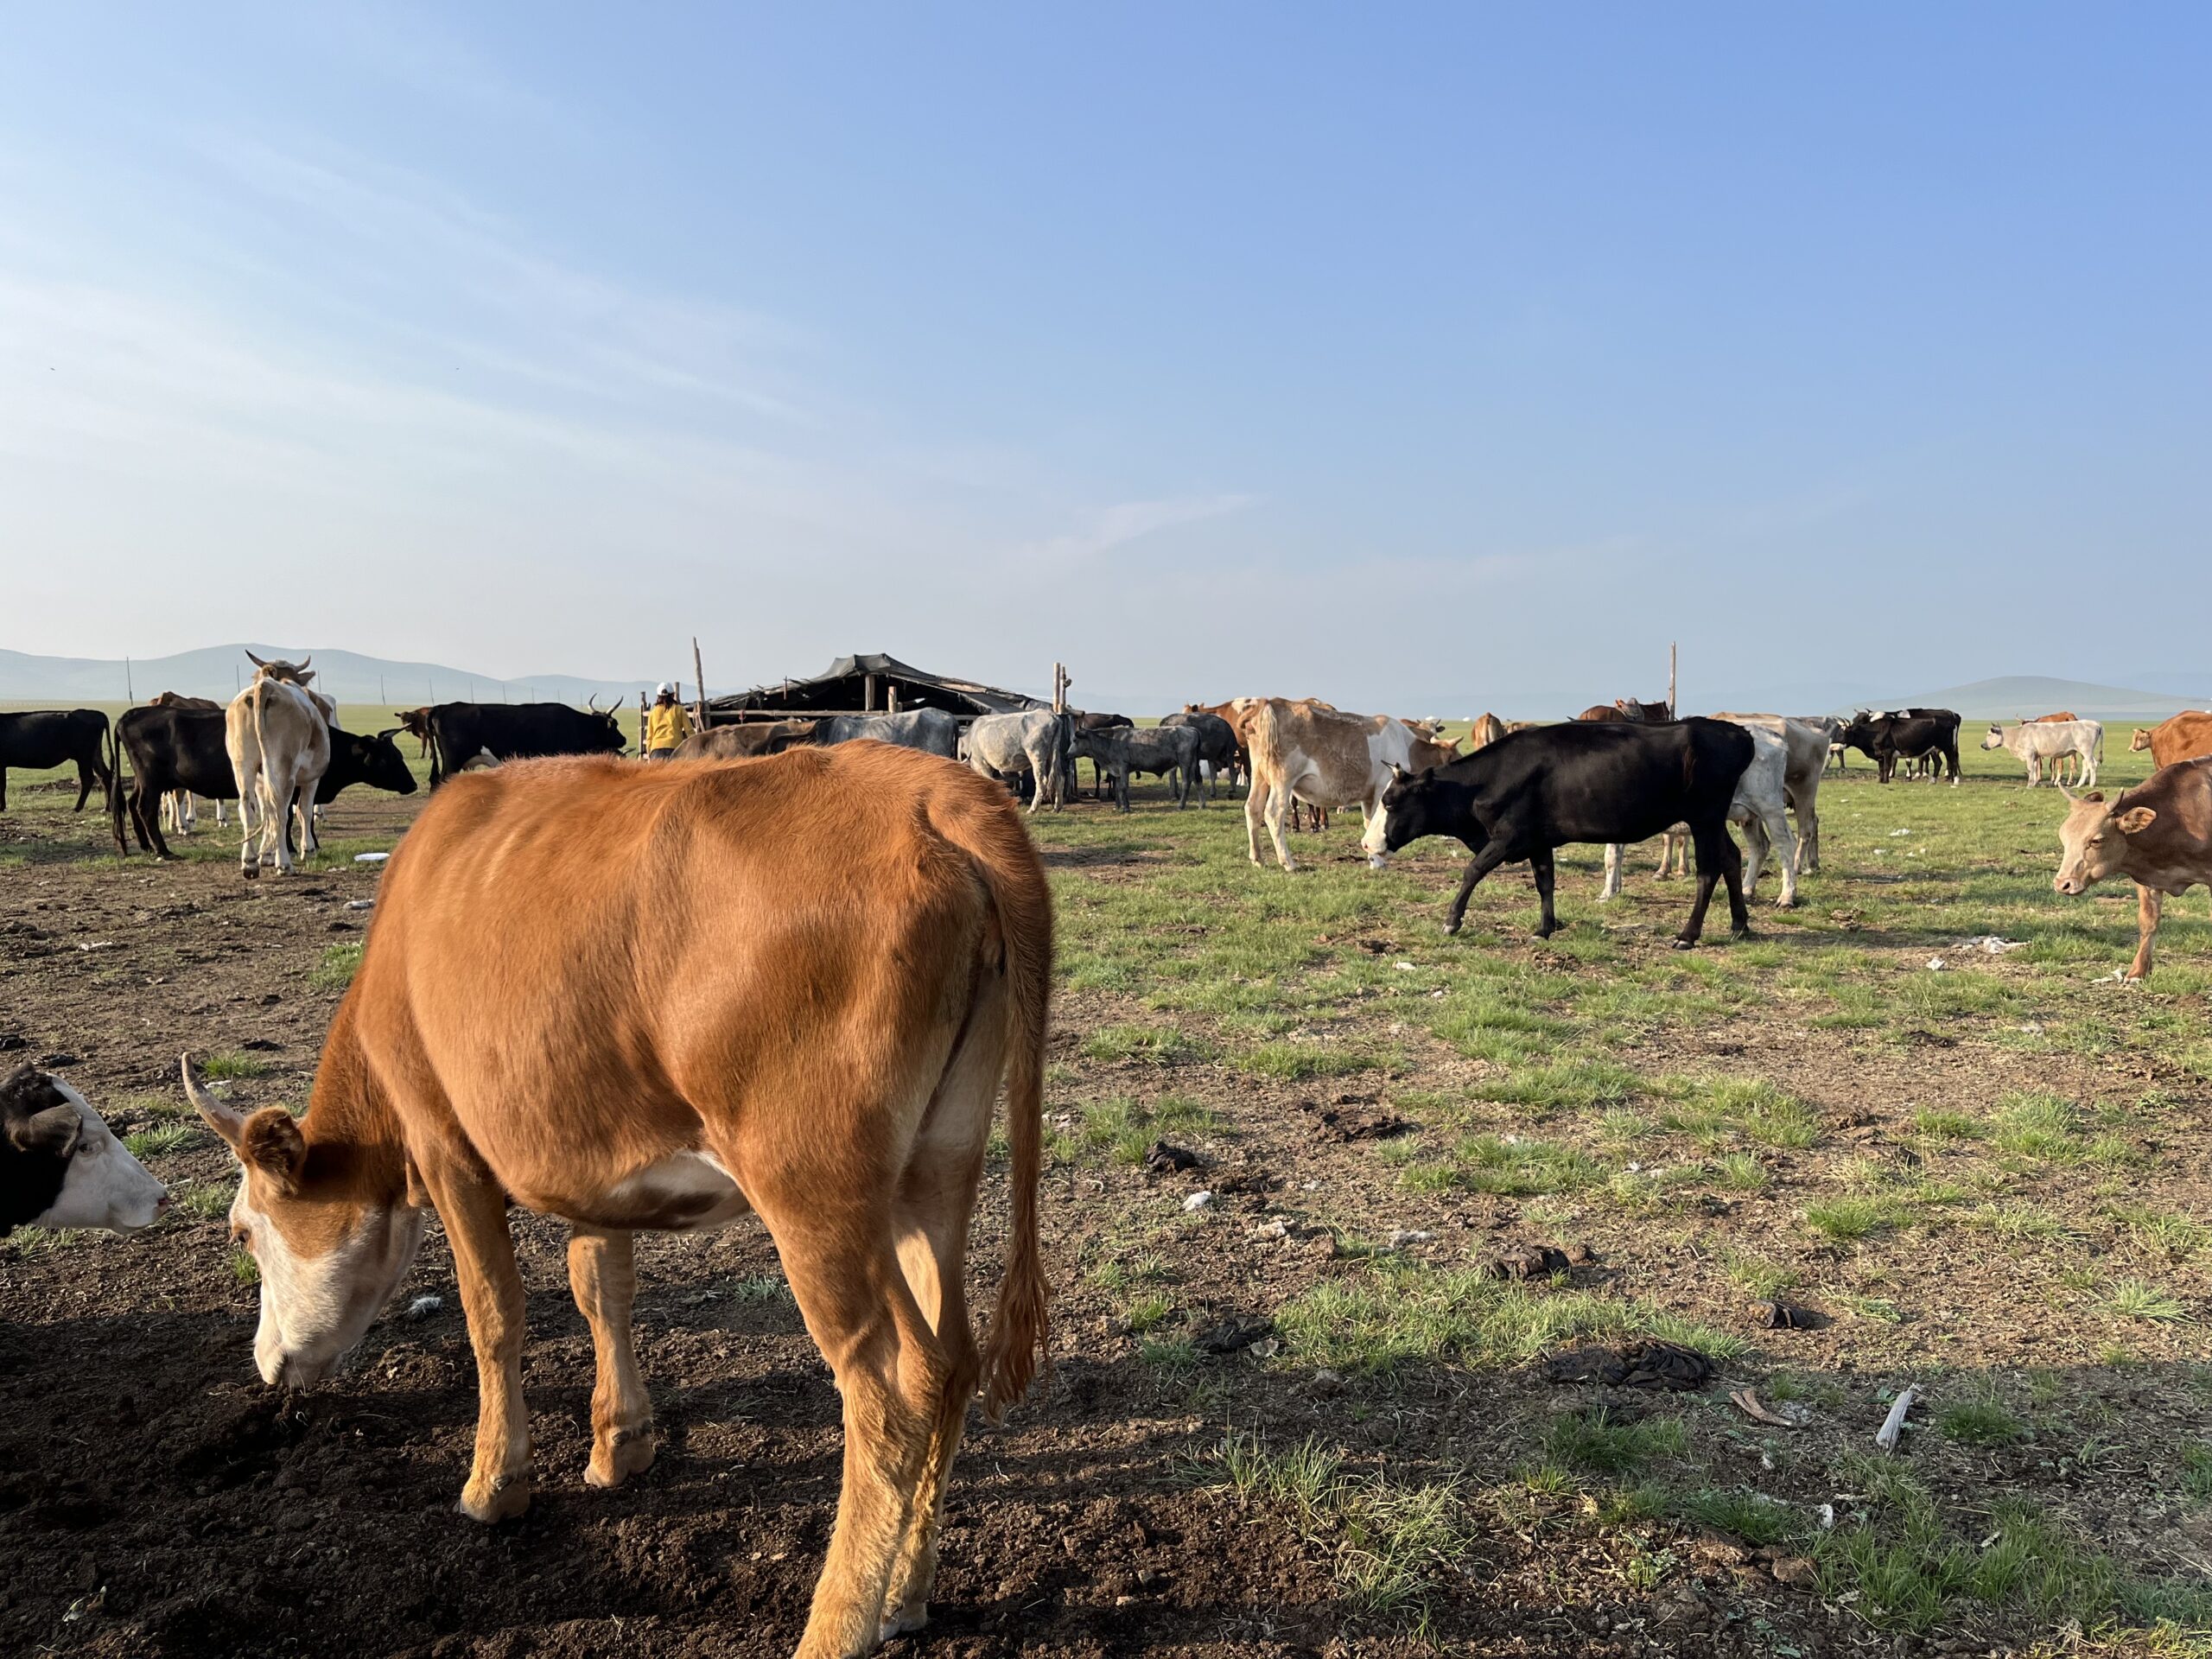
(2023, 696)
(219, 670)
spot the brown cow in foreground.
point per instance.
(657, 997)
(2183, 737)
(2158, 835)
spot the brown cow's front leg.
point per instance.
(474, 1212)
(2149, 902)
(602, 1272)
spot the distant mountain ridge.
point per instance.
(349, 675)
(2024, 697)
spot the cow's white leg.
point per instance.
(1256, 806)
(1777, 829)
(1276, 803)
(1756, 844)
(1612, 889)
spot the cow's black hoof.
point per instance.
(1742, 933)
(251, 873)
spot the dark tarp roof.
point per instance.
(842, 687)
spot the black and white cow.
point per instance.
(41, 738)
(1928, 734)
(61, 1166)
(1534, 790)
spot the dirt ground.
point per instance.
(156, 1500)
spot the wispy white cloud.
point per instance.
(1108, 528)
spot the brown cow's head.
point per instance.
(2141, 740)
(2093, 841)
(333, 1239)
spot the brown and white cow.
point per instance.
(277, 732)
(1487, 730)
(1301, 752)
(2183, 737)
(657, 997)
(2158, 835)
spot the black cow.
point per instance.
(55, 737)
(183, 748)
(1931, 735)
(1216, 745)
(512, 731)
(1613, 781)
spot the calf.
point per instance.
(2183, 737)
(747, 740)
(1761, 796)
(61, 1167)
(2036, 741)
(863, 940)
(1035, 742)
(55, 737)
(2158, 835)
(1599, 781)
(1116, 752)
(416, 722)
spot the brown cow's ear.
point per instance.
(2135, 820)
(272, 1143)
(2093, 795)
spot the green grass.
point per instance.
(1979, 1422)
(169, 1137)
(1850, 1218)
(1755, 1518)
(226, 1067)
(1595, 1443)
(334, 971)
(2134, 1299)
(204, 1200)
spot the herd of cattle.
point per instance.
(850, 1110)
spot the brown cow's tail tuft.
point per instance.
(1266, 741)
(1016, 1342)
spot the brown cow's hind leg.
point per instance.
(603, 1271)
(2148, 903)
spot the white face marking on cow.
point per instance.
(315, 1309)
(106, 1185)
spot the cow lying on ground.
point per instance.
(41, 738)
(2158, 835)
(1116, 752)
(61, 1167)
(1034, 743)
(1911, 734)
(516, 731)
(1596, 781)
(747, 740)
(179, 749)
(2183, 737)
(2036, 741)
(863, 939)
(1762, 794)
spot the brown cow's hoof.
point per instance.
(631, 1453)
(493, 1502)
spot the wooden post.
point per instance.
(130, 694)
(868, 694)
(641, 725)
(891, 700)
(699, 684)
(1672, 709)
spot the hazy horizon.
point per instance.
(1247, 348)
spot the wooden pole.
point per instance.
(641, 725)
(1672, 708)
(698, 684)
(129, 692)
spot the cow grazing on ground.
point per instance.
(1761, 795)
(1118, 752)
(2038, 741)
(930, 730)
(1034, 743)
(748, 740)
(516, 731)
(41, 738)
(2158, 835)
(862, 939)
(61, 1166)
(1583, 781)
(172, 750)
(1219, 752)
(1301, 752)
(278, 737)
(1909, 735)
(2183, 737)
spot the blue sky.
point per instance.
(1390, 353)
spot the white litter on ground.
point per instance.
(370, 858)
(1200, 1200)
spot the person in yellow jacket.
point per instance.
(666, 724)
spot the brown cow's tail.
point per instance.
(1016, 1342)
(1264, 739)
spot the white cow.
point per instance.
(277, 732)
(2037, 741)
(1762, 795)
(1807, 742)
